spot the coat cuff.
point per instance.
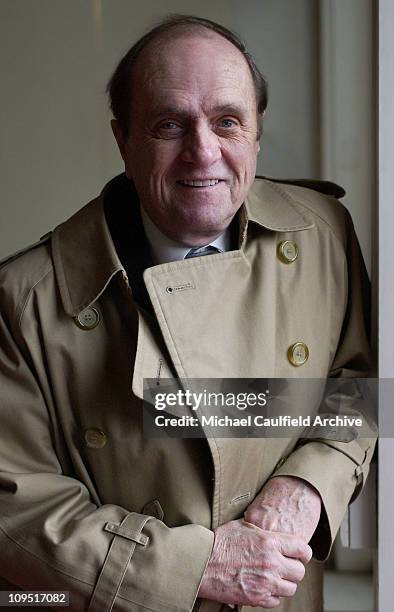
(336, 477)
(163, 566)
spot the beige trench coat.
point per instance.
(121, 520)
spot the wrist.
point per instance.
(286, 504)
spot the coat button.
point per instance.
(88, 318)
(95, 438)
(298, 353)
(287, 251)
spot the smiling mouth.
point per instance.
(200, 183)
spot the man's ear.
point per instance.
(118, 133)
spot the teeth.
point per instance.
(201, 183)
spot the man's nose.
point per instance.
(201, 146)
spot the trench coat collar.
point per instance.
(85, 258)
(273, 208)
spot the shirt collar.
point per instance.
(164, 249)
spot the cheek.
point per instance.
(149, 157)
(251, 156)
(161, 160)
(241, 146)
(160, 155)
(242, 160)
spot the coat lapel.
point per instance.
(211, 310)
(218, 314)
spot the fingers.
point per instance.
(289, 545)
(293, 570)
(267, 565)
(284, 588)
(271, 602)
(294, 547)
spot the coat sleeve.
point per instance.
(338, 469)
(52, 536)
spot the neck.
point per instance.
(166, 248)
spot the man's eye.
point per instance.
(168, 129)
(228, 123)
(168, 125)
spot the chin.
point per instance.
(207, 212)
(207, 222)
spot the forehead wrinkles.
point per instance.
(196, 99)
(193, 65)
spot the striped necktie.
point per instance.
(202, 251)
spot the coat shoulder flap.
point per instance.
(10, 258)
(324, 187)
(318, 201)
(23, 270)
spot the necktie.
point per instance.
(202, 251)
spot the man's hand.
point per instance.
(255, 567)
(288, 505)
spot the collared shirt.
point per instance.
(165, 249)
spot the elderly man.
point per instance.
(87, 503)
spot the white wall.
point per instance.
(284, 38)
(386, 303)
(56, 148)
(348, 108)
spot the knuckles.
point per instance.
(271, 565)
(253, 516)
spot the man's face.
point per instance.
(192, 145)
